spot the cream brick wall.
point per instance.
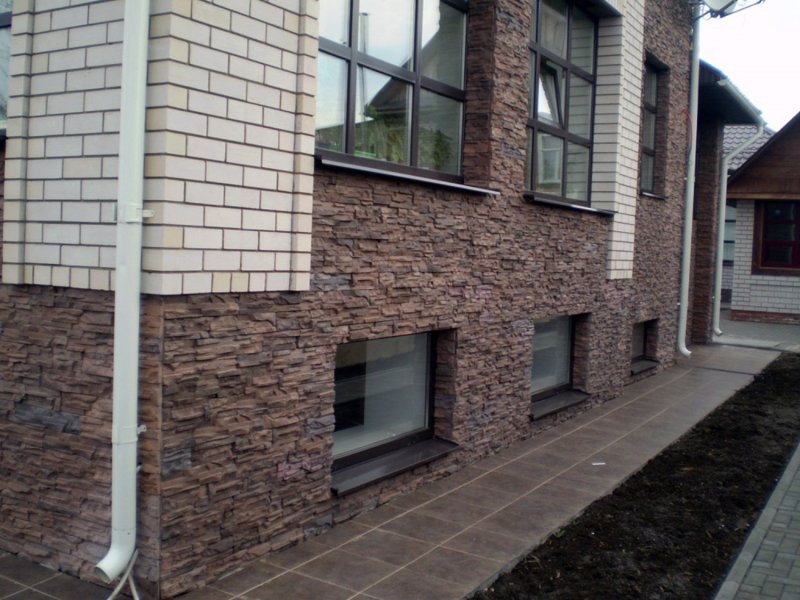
(229, 165)
(758, 293)
(616, 133)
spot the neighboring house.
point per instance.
(734, 136)
(485, 240)
(766, 190)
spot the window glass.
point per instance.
(549, 159)
(443, 34)
(649, 130)
(5, 59)
(778, 255)
(638, 348)
(383, 117)
(582, 40)
(439, 132)
(780, 232)
(382, 391)
(650, 86)
(334, 20)
(386, 31)
(551, 93)
(780, 211)
(577, 172)
(553, 28)
(580, 106)
(331, 102)
(728, 251)
(647, 168)
(552, 349)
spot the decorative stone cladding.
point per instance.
(767, 298)
(230, 141)
(238, 388)
(706, 224)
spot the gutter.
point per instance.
(124, 428)
(723, 194)
(688, 208)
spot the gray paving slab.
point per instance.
(758, 335)
(454, 536)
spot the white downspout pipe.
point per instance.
(723, 195)
(688, 209)
(124, 427)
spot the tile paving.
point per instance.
(457, 534)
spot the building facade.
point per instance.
(405, 239)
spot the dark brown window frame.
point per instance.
(410, 438)
(537, 53)
(356, 59)
(758, 267)
(648, 108)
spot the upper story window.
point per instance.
(5, 58)
(649, 118)
(563, 48)
(390, 84)
(778, 227)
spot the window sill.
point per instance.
(347, 166)
(552, 404)
(641, 365)
(353, 478)
(652, 196)
(532, 198)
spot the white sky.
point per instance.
(759, 50)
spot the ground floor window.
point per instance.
(779, 233)
(552, 356)
(383, 396)
(643, 346)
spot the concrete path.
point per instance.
(757, 335)
(454, 536)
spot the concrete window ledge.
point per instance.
(642, 364)
(353, 478)
(551, 404)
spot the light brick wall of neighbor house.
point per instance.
(230, 143)
(759, 297)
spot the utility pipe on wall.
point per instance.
(125, 428)
(723, 195)
(688, 209)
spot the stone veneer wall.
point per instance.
(765, 298)
(238, 388)
(230, 141)
(706, 223)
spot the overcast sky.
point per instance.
(759, 50)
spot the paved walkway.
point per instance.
(454, 536)
(757, 335)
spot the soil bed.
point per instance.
(673, 529)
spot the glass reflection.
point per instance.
(443, 31)
(439, 133)
(331, 100)
(383, 117)
(386, 31)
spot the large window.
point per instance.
(778, 227)
(552, 356)
(383, 396)
(390, 83)
(562, 46)
(649, 119)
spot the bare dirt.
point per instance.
(673, 529)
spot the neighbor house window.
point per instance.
(5, 58)
(780, 235)
(562, 49)
(649, 118)
(383, 396)
(730, 233)
(552, 356)
(390, 83)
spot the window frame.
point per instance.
(5, 22)
(759, 267)
(410, 438)
(649, 108)
(561, 387)
(354, 59)
(538, 53)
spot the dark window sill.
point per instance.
(534, 198)
(776, 271)
(640, 365)
(396, 174)
(353, 478)
(552, 404)
(651, 195)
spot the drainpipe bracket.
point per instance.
(132, 213)
(124, 435)
(141, 429)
